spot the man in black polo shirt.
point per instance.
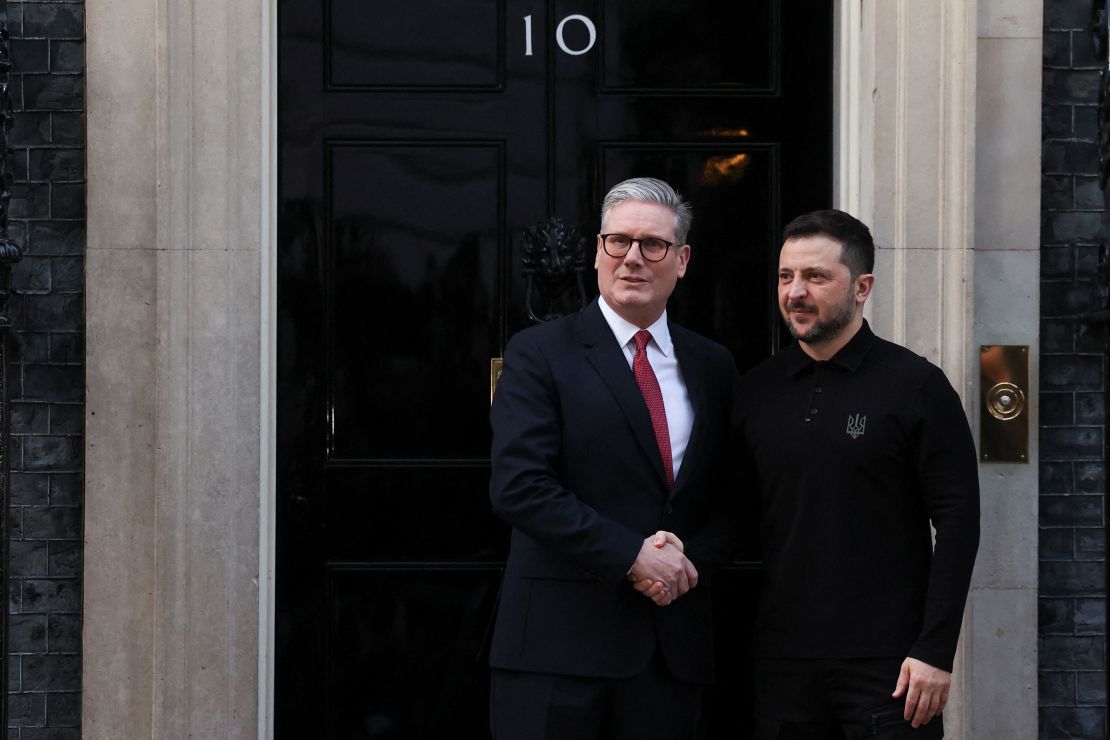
(858, 445)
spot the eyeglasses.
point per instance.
(652, 248)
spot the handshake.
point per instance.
(662, 571)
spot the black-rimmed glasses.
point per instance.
(652, 248)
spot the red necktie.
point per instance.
(649, 386)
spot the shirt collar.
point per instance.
(850, 356)
(624, 330)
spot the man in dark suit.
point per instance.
(609, 426)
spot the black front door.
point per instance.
(417, 141)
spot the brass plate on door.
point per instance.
(495, 366)
(1003, 403)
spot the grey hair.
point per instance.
(650, 190)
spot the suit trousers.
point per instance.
(833, 700)
(540, 706)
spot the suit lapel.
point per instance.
(609, 361)
(695, 387)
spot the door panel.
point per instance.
(417, 141)
(439, 282)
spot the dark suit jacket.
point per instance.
(578, 475)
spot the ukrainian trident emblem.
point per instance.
(855, 425)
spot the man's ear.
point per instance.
(597, 254)
(864, 285)
(683, 253)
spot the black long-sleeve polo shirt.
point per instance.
(853, 457)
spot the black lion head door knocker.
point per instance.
(553, 254)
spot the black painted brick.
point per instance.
(1068, 86)
(1083, 51)
(52, 672)
(1056, 616)
(15, 452)
(15, 523)
(1065, 299)
(1071, 443)
(1055, 511)
(52, 453)
(1085, 124)
(30, 418)
(1090, 616)
(29, 559)
(54, 20)
(1071, 372)
(57, 238)
(67, 274)
(30, 129)
(59, 165)
(44, 596)
(64, 708)
(1070, 651)
(53, 92)
(67, 347)
(1086, 262)
(1057, 544)
(27, 633)
(1056, 688)
(18, 161)
(32, 275)
(1054, 157)
(66, 489)
(30, 200)
(1057, 191)
(1057, 336)
(67, 56)
(1090, 477)
(66, 418)
(1087, 193)
(15, 596)
(67, 200)
(65, 559)
(1091, 338)
(1057, 409)
(1089, 408)
(50, 733)
(29, 488)
(1090, 687)
(64, 522)
(1082, 723)
(1056, 123)
(1090, 544)
(1075, 226)
(53, 382)
(68, 128)
(1056, 48)
(1066, 15)
(27, 710)
(31, 55)
(31, 348)
(1058, 262)
(1061, 579)
(64, 633)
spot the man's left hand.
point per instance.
(925, 689)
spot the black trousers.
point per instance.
(540, 706)
(833, 700)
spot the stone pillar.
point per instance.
(176, 131)
(938, 146)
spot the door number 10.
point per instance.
(590, 29)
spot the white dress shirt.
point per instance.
(660, 352)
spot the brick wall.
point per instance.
(1072, 622)
(46, 371)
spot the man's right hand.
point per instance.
(661, 570)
